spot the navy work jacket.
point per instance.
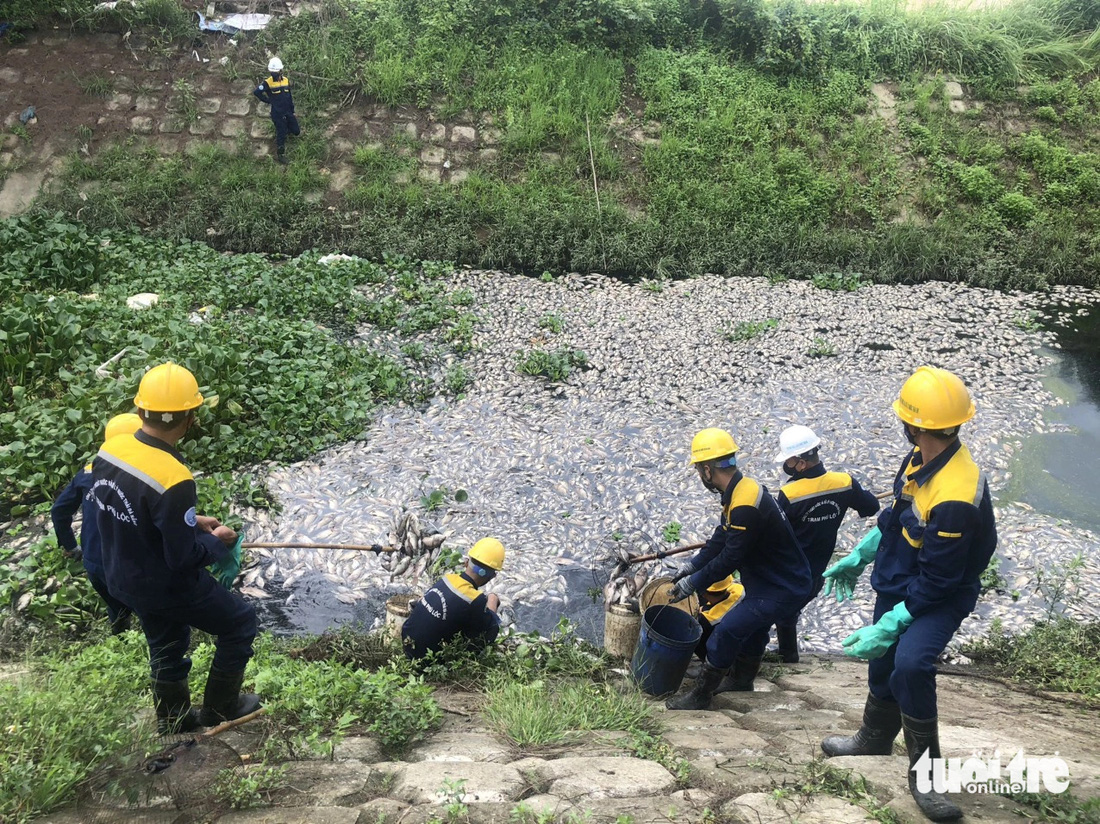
(73, 497)
(276, 93)
(938, 535)
(754, 538)
(452, 607)
(815, 502)
(154, 554)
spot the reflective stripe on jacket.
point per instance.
(451, 607)
(939, 534)
(755, 539)
(815, 502)
(153, 552)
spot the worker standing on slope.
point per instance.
(275, 91)
(74, 497)
(815, 502)
(754, 538)
(929, 549)
(155, 550)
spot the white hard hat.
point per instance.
(795, 440)
(274, 65)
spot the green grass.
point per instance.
(78, 710)
(735, 138)
(1060, 654)
(540, 713)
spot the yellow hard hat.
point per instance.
(488, 552)
(934, 399)
(125, 424)
(712, 443)
(168, 388)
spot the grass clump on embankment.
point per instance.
(664, 138)
(1059, 654)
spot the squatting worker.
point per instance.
(275, 91)
(454, 607)
(815, 502)
(716, 600)
(930, 548)
(156, 548)
(754, 538)
(75, 496)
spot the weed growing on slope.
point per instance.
(1058, 654)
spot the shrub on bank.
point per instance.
(1060, 655)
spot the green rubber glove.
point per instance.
(875, 641)
(841, 577)
(226, 570)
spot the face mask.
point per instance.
(790, 470)
(709, 484)
(909, 436)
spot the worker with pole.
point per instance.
(156, 549)
(754, 538)
(929, 549)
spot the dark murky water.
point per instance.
(1055, 472)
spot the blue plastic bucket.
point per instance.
(667, 642)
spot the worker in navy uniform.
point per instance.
(929, 548)
(74, 497)
(815, 502)
(454, 607)
(715, 601)
(275, 91)
(754, 538)
(155, 550)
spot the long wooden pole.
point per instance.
(293, 545)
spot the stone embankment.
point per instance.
(752, 760)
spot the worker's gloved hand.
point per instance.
(684, 587)
(685, 569)
(841, 577)
(226, 570)
(875, 641)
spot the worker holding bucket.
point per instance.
(754, 538)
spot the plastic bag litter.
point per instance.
(335, 258)
(143, 300)
(234, 23)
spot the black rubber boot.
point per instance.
(702, 692)
(744, 673)
(223, 699)
(172, 700)
(281, 155)
(923, 736)
(787, 639)
(881, 723)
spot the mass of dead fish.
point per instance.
(556, 469)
